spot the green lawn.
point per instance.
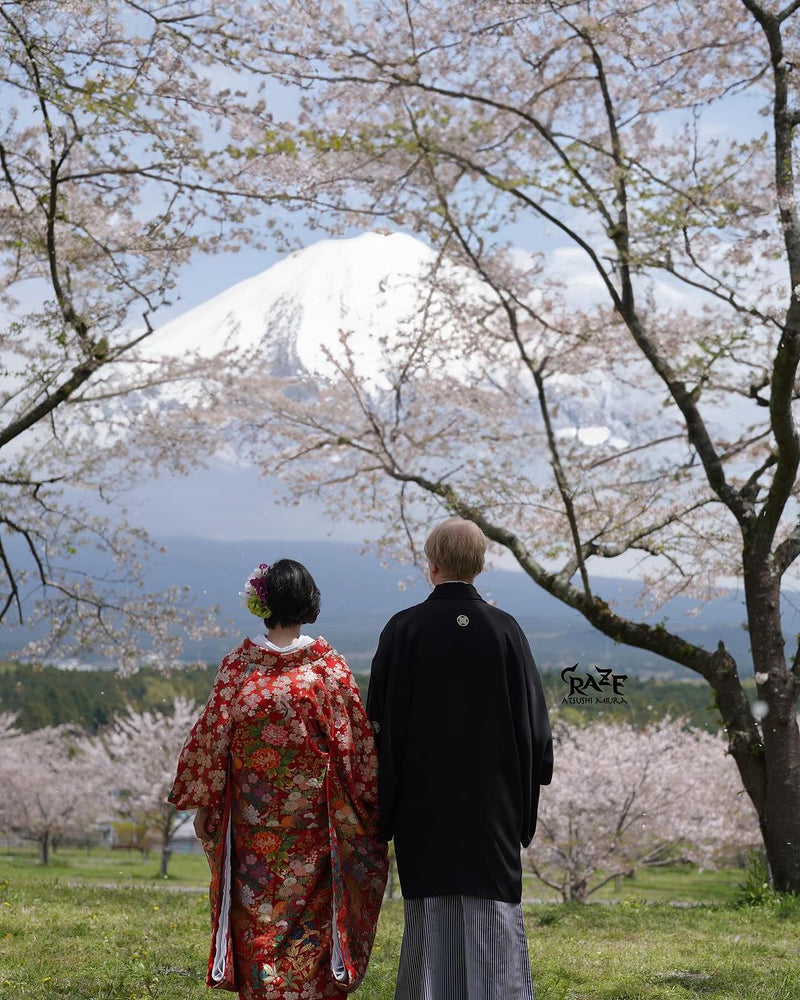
(103, 865)
(636, 951)
(675, 883)
(671, 884)
(70, 933)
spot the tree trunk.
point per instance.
(578, 886)
(166, 854)
(166, 840)
(780, 820)
(44, 848)
(776, 795)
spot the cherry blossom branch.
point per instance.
(80, 374)
(412, 547)
(718, 289)
(655, 639)
(620, 235)
(717, 667)
(558, 472)
(608, 550)
(535, 372)
(56, 162)
(626, 452)
(13, 597)
(683, 396)
(619, 228)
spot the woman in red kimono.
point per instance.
(282, 770)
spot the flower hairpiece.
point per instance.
(256, 592)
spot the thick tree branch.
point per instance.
(787, 356)
(79, 375)
(752, 487)
(795, 671)
(718, 667)
(536, 374)
(787, 551)
(788, 10)
(624, 304)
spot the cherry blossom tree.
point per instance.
(602, 362)
(50, 788)
(136, 757)
(120, 161)
(8, 726)
(628, 798)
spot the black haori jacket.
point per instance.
(463, 745)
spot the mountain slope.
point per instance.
(360, 593)
(293, 313)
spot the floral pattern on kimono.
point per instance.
(303, 817)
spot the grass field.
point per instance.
(103, 865)
(671, 884)
(101, 926)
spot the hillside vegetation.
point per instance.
(48, 696)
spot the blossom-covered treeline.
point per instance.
(628, 798)
(58, 782)
(50, 787)
(135, 760)
(602, 361)
(625, 798)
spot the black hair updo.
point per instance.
(293, 595)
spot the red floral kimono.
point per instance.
(301, 801)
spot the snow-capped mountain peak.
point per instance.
(293, 313)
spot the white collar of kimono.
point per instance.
(300, 643)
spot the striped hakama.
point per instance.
(463, 948)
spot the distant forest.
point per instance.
(48, 696)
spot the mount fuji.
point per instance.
(293, 313)
(370, 287)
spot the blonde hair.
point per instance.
(457, 547)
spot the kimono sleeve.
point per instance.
(532, 729)
(352, 745)
(358, 857)
(202, 764)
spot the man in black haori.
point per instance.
(464, 744)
